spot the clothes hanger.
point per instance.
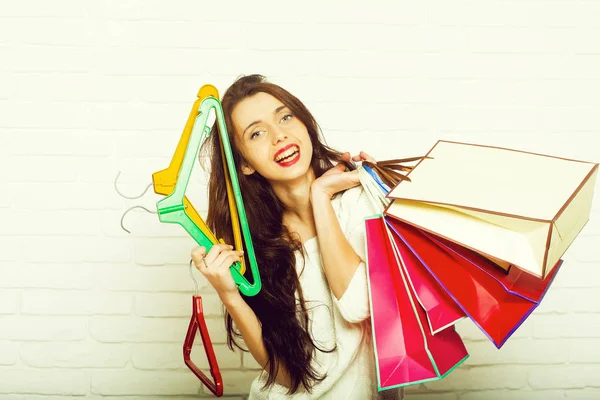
(175, 208)
(132, 208)
(124, 195)
(198, 325)
(164, 180)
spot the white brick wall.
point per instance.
(92, 87)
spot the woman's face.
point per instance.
(273, 141)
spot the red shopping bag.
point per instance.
(441, 310)
(406, 351)
(497, 301)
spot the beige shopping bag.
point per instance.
(514, 207)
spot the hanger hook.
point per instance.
(125, 196)
(192, 275)
(131, 208)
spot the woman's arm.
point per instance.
(251, 330)
(215, 267)
(340, 261)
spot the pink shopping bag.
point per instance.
(406, 351)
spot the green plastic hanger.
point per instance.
(172, 208)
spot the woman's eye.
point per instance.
(254, 134)
(287, 117)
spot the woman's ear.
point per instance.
(247, 170)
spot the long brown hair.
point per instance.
(284, 318)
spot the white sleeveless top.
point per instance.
(351, 372)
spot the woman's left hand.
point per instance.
(337, 178)
(361, 157)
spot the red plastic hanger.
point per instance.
(197, 324)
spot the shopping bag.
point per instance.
(406, 351)
(515, 208)
(497, 301)
(441, 310)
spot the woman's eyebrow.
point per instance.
(257, 122)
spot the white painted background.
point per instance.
(89, 88)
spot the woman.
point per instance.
(309, 326)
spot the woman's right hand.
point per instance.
(215, 267)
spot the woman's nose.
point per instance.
(278, 135)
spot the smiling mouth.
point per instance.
(288, 155)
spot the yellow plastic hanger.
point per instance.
(164, 180)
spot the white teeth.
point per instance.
(287, 154)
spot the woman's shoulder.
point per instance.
(352, 193)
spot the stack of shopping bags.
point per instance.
(469, 231)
